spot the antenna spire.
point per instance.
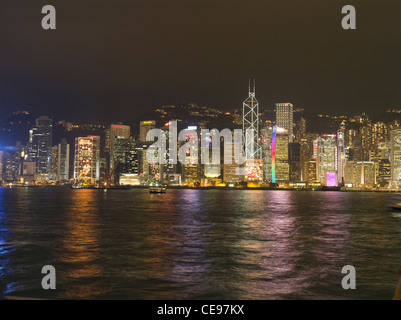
(253, 85)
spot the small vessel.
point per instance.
(77, 186)
(157, 189)
(395, 206)
(395, 203)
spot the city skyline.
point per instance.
(361, 153)
(202, 154)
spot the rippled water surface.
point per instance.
(197, 244)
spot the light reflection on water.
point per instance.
(197, 244)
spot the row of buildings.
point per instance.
(280, 153)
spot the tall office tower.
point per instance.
(294, 161)
(383, 173)
(40, 144)
(231, 172)
(379, 133)
(132, 161)
(365, 174)
(304, 139)
(63, 160)
(212, 170)
(144, 127)
(350, 173)
(119, 157)
(131, 167)
(326, 160)
(280, 167)
(384, 150)
(307, 153)
(143, 164)
(366, 137)
(192, 169)
(351, 137)
(341, 156)
(115, 131)
(284, 118)
(266, 134)
(171, 171)
(395, 157)
(53, 163)
(250, 126)
(11, 163)
(301, 130)
(87, 163)
(312, 171)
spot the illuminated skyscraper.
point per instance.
(284, 118)
(383, 172)
(40, 144)
(63, 160)
(211, 170)
(116, 131)
(120, 157)
(144, 127)
(366, 137)
(113, 132)
(379, 133)
(326, 159)
(192, 169)
(341, 156)
(280, 166)
(312, 177)
(87, 159)
(294, 161)
(11, 159)
(266, 145)
(395, 157)
(350, 174)
(365, 174)
(250, 126)
(231, 172)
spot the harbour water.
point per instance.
(197, 244)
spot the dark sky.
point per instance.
(113, 60)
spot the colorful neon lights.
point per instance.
(274, 155)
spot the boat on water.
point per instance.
(395, 203)
(77, 186)
(395, 206)
(157, 189)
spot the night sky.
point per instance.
(112, 60)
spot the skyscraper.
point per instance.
(113, 132)
(63, 160)
(87, 159)
(144, 127)
(250, 126)
(395, 157)
(280, 166)
(365, 174)
(266, 145)
(341, 156)
(284, 118)
(231, 173)
(40, 144)
(326, 159)
(294, 161)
